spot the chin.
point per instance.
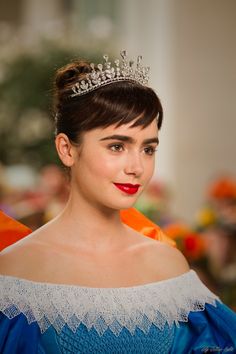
(125, 205)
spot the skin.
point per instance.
(88, 237)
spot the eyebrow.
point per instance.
(130, 140)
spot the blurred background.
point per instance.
(191, 48)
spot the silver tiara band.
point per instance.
(106, 74)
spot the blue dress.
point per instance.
(177, 315)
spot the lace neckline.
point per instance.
(145, 285)
(163, 302)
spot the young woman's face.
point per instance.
(115, 164)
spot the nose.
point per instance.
(134, 164)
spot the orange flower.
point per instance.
(190, 243)
(223, 188)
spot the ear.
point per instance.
(65, 150)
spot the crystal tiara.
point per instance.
(105, 74)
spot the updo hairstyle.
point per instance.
(117, 103)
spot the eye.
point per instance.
(116, 147)
(150, 150)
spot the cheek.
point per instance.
(149, 168)
(104, 166)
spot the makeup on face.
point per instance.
(118, 146)
(116, 165)
(127, 187)
(120, 140)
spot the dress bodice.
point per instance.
(167, 301)
(140, 319)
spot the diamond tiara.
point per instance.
(105, 74)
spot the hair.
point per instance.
(117, 103)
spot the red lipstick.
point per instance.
(127, 187)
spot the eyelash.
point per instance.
(150, 148)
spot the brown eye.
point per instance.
(116, 147)
(150, 150)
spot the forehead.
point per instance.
(138, 132)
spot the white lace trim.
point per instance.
(168, 301)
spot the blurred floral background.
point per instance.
(190, 46)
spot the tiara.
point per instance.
(105, 74)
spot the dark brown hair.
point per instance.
(117, 103)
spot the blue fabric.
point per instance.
(18, 337)
(212, 330)
(89, 342)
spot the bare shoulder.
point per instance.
(164, 260)
(19, 259)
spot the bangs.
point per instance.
(115, 104)
(124, 102)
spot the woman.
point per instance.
(86, 282)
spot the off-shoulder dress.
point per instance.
(177, 315)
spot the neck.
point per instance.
(88, 225)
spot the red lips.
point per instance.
(127, 187)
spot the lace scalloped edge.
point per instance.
(165, 302)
